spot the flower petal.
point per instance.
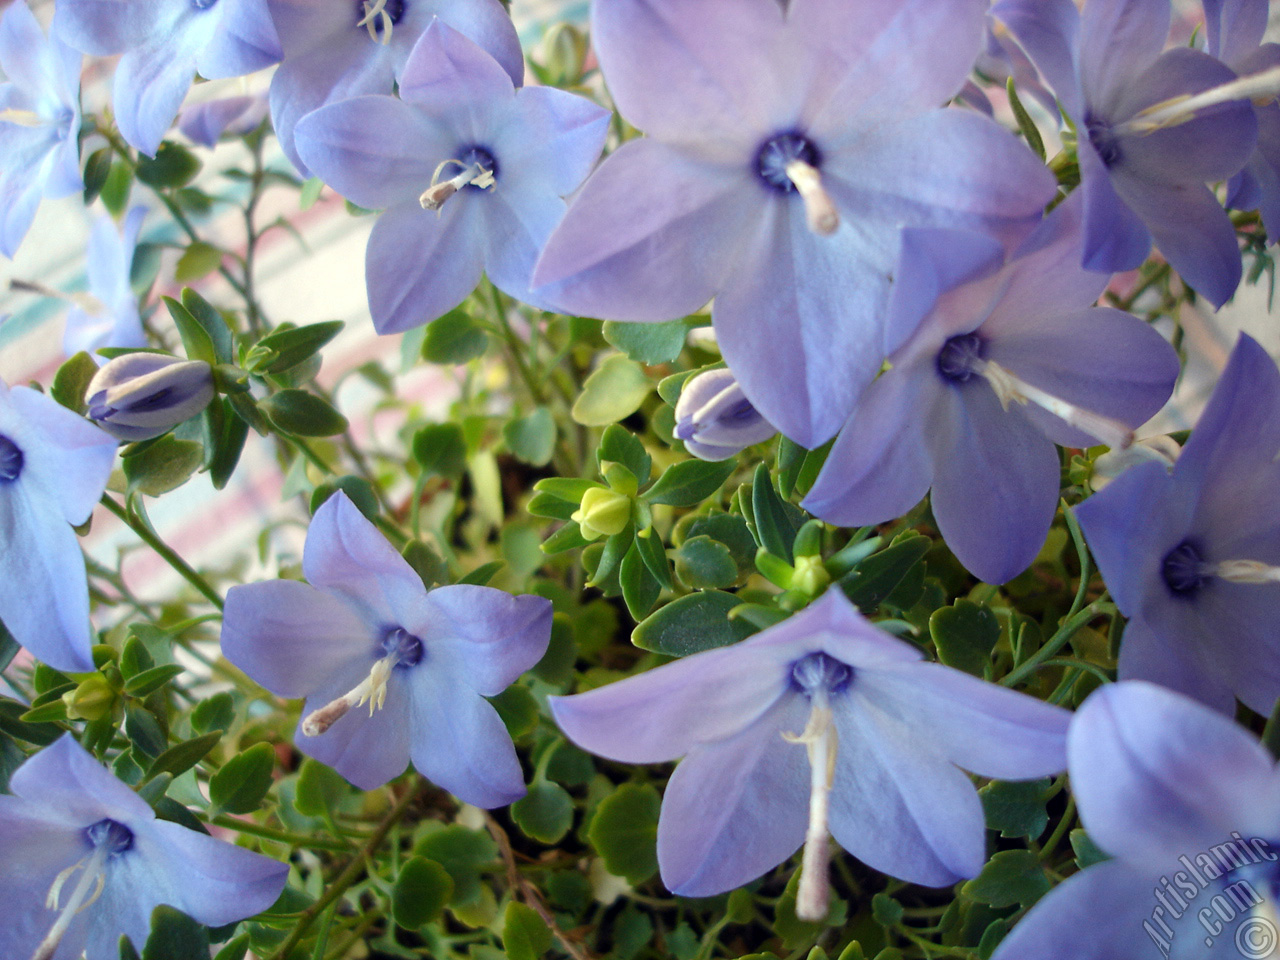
(1115, 236)
(1233, 28)
(150, 84)
(450, 77)
(1049, 31)
(559, 138)
(1118, 40)
(64, 777)
(245, 41)
(1172, 653)
(367, 747)
(102, 28)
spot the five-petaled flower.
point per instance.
(365, 630)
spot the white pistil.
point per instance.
(85, 301)
(373, 11)
(372, 688)
(23, 118)
(80, 899)
(1009, 387)
(1261, 88)
(434, 196)
(819, 209)
(1244, 571)
(821, 740)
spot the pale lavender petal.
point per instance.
(1156, 774)
(1049, 278)
(38, 845)
(374, 150)
(368, 749)
(345, 555)
(1118, 40)
(995, 489)
(558, 140)
(652, 236)
(1239, 627)
(205, 123)
(149, 87)
(291, 638)
(982, 727)
(419, 266)
(899, 805)
(490, 636)
(516, 228)
(461, 743)
(1115, 238)
(833, 625)
(759, 783)
(245, 41)
(447, 75)
(1233, 28)
(64, 777)
(1173, 654)
(1049, 31)
(30, 61)
(102, 28)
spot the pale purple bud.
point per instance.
(142, 395)
(715, 419)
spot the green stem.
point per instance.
(149, 537)
(1068, 816)
(1054, 643)
(279, 836)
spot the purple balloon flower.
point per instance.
(336, 49)
(715, 419)
(785, 151)
(991, 364)
(39, 122)
(1188, 805)
(1192, 555)
(108, 315)
(825, 714)
(71, 826)
(364, 629)
(165, 43)
(53, 469)
(1141, 180)
(470, 169)
(1233, 34)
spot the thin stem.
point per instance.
(149, 537)
(279, 836)
(1068, 817)
(1054, 643)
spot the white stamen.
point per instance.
(373, 11)
(434, 196)
(1009, 387)
(372, 688)
(80, 899)
(23, 118)
(1261, 88)
(819, 209)
(821, 741)
(1244, 571)
(85, 301)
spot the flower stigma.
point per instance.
(379, 17)
(789, 163)
(818, 675)
(475, 173)
(1262, 88)
(109, 839)
(401, 649)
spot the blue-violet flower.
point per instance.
(138, 396)
(715, 419)
(108, 315)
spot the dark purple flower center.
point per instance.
(1183, 569)
(482, 156)
(1103, 140)
(114, 836)
(10, 460)
(817, 671)
(394, 9)
(203, 4)
(960, 357)
(740, 412)
(774, 155)
(403, 646)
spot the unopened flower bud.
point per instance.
(603, 513)
(91, 700)
(811, 577)
(142, 395)
(565, 49)
(715, 419)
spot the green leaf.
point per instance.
(649, 343)
(654, 555)
(196, 341)
(532, 438)
(216, 713)
(1010, 878)
(115, 192)
(731, 530)
(1016, 809)
(568, 537)
(454, 338)
(358, 490)
(624, 831)
(482, 574)
(422, 889)
(235, 949)
(619, 445)
(887, 911)
(212, 322)
(144, 731)
(302, 414)
(320, 789)
(173, 166)
(197, 261)
(518, 709)
(149, 681)
(569, 489)
(689, 482)
(774, 529)
(308, 195)
(1087, 852)
(703, 563)
(243, 781)
(875, 577)
(71, 382)
(441, 449)
(640, 589)
(127, 950)
(181, 757)
(464, 853)
(11, 723)
(692, 624)
(545, 813)
(96, 170)
(284, 349)
(613, 392)
(165, 465)
(1025, 124)
(965, 634)
(228, 443)
(175, 936)
(525, 935)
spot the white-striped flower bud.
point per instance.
(138, 396)
(715, 419)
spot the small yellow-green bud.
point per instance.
(811, 577)
(565, 48)
(619, 478)
(603, 513)
(91, 700)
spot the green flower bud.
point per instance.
(811, 577)
(603, 513)
(93, 699)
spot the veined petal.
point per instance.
(64, 777)
(558, 139)
(897, 804)
(368, 749)
(459, 741)
(1233, 28)
(492, 636)
(1115, 237)
(1118, 40)
(652, 236)
(518, 219)
(245, 41)
(419, 266)
(102, 28)
(150, 84)
(1156, 774)
(1045, 275)
(759, 783)
(37, 845)
(30, 60)
(1049, 32)
(450, 77)
(292, 638)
